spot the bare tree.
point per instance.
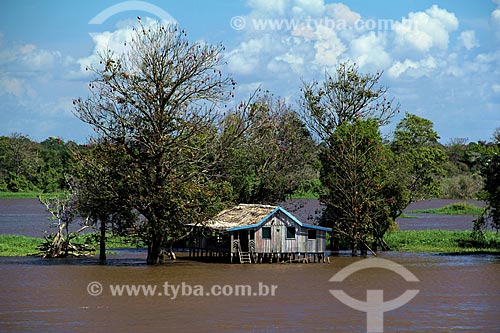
(160, 104)
(346, 95)
(60, 244)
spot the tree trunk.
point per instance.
(334, 243)
(102, 243)
(363, 250)
(354, 249)
(154, 250)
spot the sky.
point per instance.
(441, 59)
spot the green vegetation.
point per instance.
(304, 195)
(16, 245)
(33, 167)
(345, 111)
(420, 159)
(29, 195)
(457, 208)
(274, 158)
(491, 191)
(465, 167)
(441, 241)
(437, 241)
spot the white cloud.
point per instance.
(105, 41)
(495, 18)
(423, 31)
(287, 61)
(25, 68)
(17, 87)
(310, 44)
(412, 68)
(307, 7)
(496, 88)
(114, 41)
(269, 8)
(468, 39)
(306, 50)
(447, 19)
(43, 59)
(27, 48)
(422, 55)
(245, 59)
(339, 11)
(328, 47)
(455, 68)
(28, 60)
(495, 15)
(369, 51)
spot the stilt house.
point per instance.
(253, 233)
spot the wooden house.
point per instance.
(254, 233)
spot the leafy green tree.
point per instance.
(478, 153)
(345, 112)
(100, 187)
(19, 163)
(58, 164)
(274, 157)
(455, 150)
(356, 177)
(26, 165)
(489, 163)
(463, 186)
(421, 158)
(160, 103)
(491, 173)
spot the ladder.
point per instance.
(244, 256)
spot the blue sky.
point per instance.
(441, 59)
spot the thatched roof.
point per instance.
(239, 216)
(246, 216)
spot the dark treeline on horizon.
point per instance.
(27, 165)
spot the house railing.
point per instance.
(251, 249)
(243, 256)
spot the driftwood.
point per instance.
(60, 245)
(165, 255)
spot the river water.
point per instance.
(456, 294)
(29, 218)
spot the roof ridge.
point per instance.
(255, 205)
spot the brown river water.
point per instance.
(456, 293)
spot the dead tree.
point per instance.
(60, 244)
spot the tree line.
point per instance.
(172, 147)
(44, 167)
(30, 166)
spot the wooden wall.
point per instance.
(279, 243)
